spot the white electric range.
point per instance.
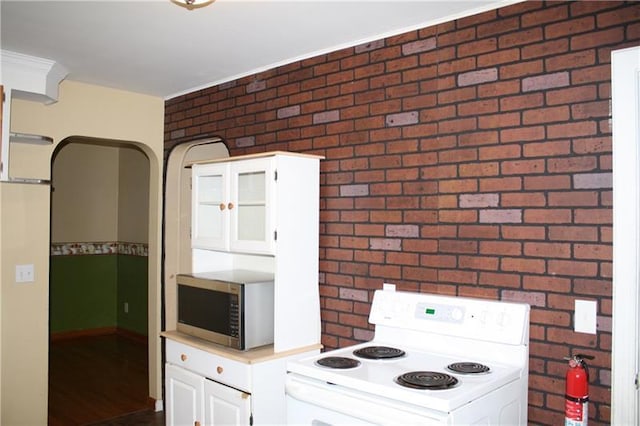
(433, 360)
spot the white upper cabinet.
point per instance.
(210, 221)
(233, 206)
(261, 212)
(252, 228)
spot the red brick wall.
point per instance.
(470, 158)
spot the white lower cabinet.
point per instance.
(207, 385)
(193, 400)
(184, 396)
(225, 406)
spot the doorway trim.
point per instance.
(625, 95)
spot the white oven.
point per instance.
(434, 360)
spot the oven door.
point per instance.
(317, 403)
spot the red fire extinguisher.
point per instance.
(576, 399)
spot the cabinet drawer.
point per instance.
(215, 367)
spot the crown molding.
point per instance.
(30, 77)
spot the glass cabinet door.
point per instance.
(251, 185)
(209, 227)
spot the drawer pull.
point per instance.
(219, 370)
(183, 357)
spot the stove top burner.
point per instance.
(378, 352)
(338, 362)
(468, 368)
(426, 380)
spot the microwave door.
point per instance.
(210, 314)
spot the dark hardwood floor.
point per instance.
(99, 380)
(147, 418)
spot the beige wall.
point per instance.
(101, 193)
(25, 328)
(133, 200)
(85, 198)
(82, 110)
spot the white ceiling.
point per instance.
(158, 48)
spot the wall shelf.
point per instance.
(30, 139)
(29, 78)
(30, 181)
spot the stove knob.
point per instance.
(456, 314)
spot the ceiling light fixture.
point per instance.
(192, 4)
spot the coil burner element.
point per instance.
(426, 380)
(338, 362)
(468, 368)
(378, 352)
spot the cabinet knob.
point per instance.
(183, 357)
(222, 206)
(196, 423)
(230, 205)
(219, 370)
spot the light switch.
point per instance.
(25, 273)
(585, 316)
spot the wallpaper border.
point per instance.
(108, 247)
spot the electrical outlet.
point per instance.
(585, 316)
(126, 307)
(25, 273)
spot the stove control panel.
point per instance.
(439, 312)
(480, 319)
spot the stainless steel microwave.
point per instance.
(232, 308)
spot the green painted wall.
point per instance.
(83, 292)
(89, 292)
(132, 289)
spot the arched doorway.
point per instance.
(177, 210)
(99, 285)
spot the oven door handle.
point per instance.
(358, 405)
